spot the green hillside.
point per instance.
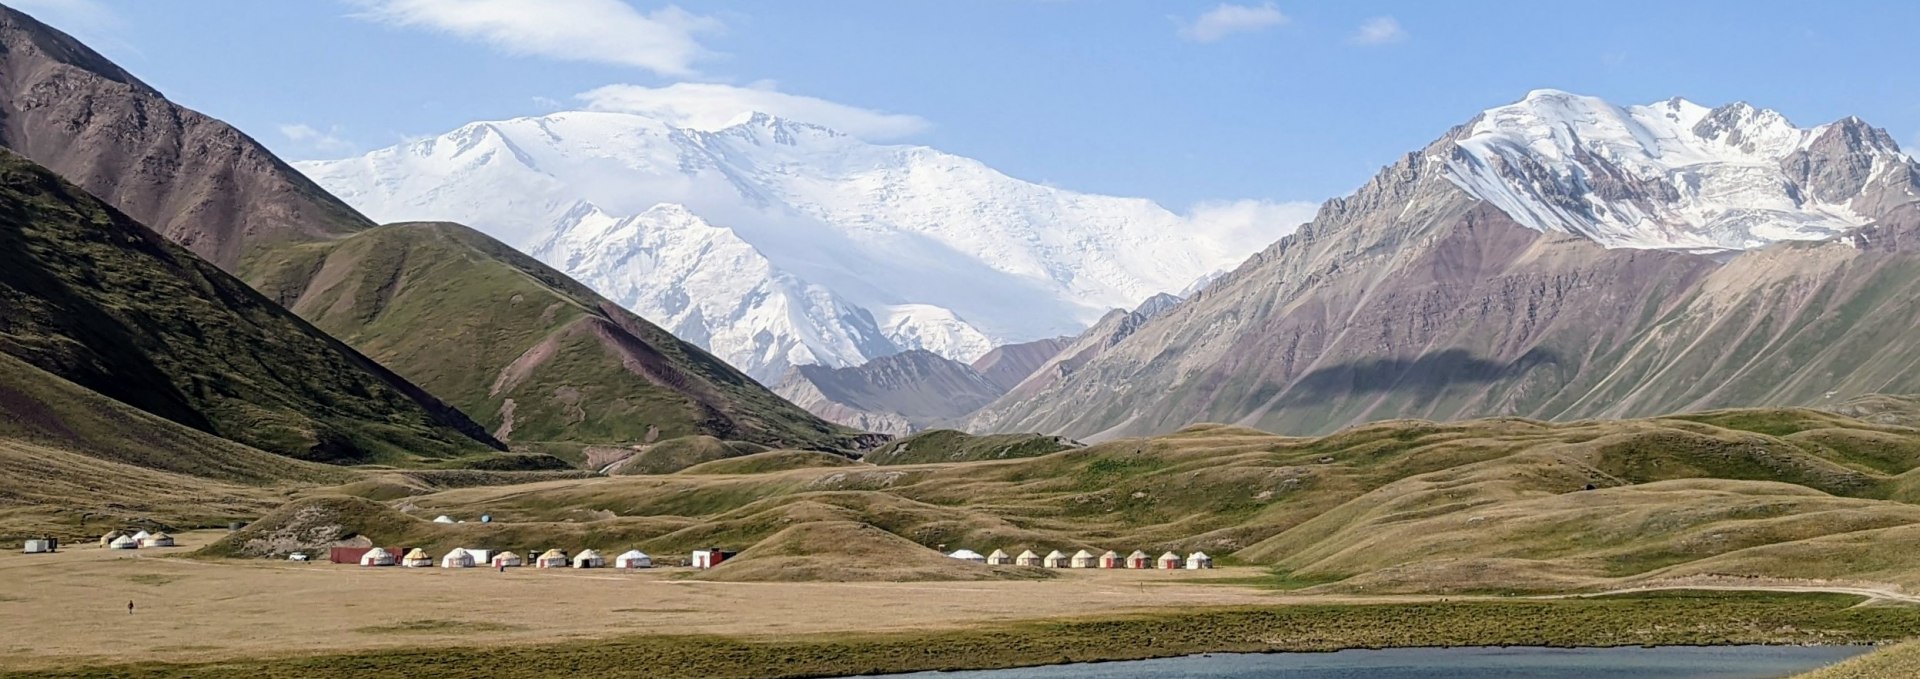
(91, 296)
(947, 445)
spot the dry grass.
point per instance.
(1901, 661)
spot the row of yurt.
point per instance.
(138, 540)
(467, 557)
(1086, 559)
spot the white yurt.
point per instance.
(634, 558)
(1112, 559)
(443, 519)
(123, 542)
(1085, 559)
(140, 538)
(1057, 559)
(968, 555)
(1139, 559)
(157, 540)
(1169, 561)
(508, 559)
(1199, 560)
(1028, 558)
(377, 556)
(106, 540)
(458, 558)
(589, 559)
(552, 558)
(418, 558)
(1000, 557)
(481, 557)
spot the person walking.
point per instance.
(129, 607)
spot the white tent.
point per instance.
(633, 559)
(377, 556)
(1139, 559)
(443, 519)
(552, 558)
(1028, 558)
(480, 556)
(1056, 559)
(968, 555)
(589, 559)
(107, 540)
(157, 540)
(508, 559)
(140, 538)
(1112, 559)
(458, 558)
(418, 558)
(1000, 557)
(123, 542)
(1199, 560)
(1169, 561)
(1085, 559)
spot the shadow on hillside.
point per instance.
(1426, 375)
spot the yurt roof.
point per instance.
(553, 554)
(588, 554)
(122, 540)
(1083, 554)
(1198, 555)
(142, 535)
(161, 536)
(509, 557)
(1029, 555)
(1110, 553)
(1056, 554)
(966, 554)
(998, 554)
(635, 554)
(1137, 554)
(443, 519)
(378, 551)
(458, 551)
(418, 553)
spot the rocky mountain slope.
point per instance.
(776, 243)
(898, 394)
(531, 353)
(1555, 258)
(91, 296)
(1010, 364)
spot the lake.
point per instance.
(1668, 662)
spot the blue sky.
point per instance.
(1181, 102)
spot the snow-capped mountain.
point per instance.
(1670, 175)
(789, 243)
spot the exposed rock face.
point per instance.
(1007, 365)
(1117, 325)
(1474, 279)
(194, 179)
(896, 395)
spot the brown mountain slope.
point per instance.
(1008, 364)
(897, 394)
(1412, 298)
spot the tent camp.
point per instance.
(157, 540)
(417, 558)
(458, 558)
(1056, 559)
(552, 558)
(1169, 561)
(1000, 557)
(508, 559)
(123, 542)
(377, 557)
(1028, 558)
(1199, 560)
(1139, 559)
(633, 559)
(443, 519)
(589, 559)
(1112, 560)
(968, 555)
(106, 540)
(1085, 559)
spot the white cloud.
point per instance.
(1380, 31)
(664, 41)
(709, 106)
(548, 103)
(1226, 20)
(1255, 223)
(312, 138)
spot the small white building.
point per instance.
(1085, 559)
(1168, 561)
(968, 555)
(377, 556)
(1057, 559)
(123, 542)
(1000, 557)
(508, 559)
(38, 546)
(633, 559)
(418, 558)
(157, 540)
(708, 558)
(1199, 560)
(1028, 558)
(458, 558)
(589, 559)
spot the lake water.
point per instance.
(1667, 662)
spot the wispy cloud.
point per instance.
(711, 106)
(1379, 31)
(1254, 223)
(310, 138)
(665, 41)
(1228, 19)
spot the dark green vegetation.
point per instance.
(91, 296)
(533, 354)
(947, 445)
(1694, 619)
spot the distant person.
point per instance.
(129, 607)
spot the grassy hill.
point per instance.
(91, 296)
(531, 353)
(947, 445)
(1483, 505)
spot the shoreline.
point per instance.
(1705, 619)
